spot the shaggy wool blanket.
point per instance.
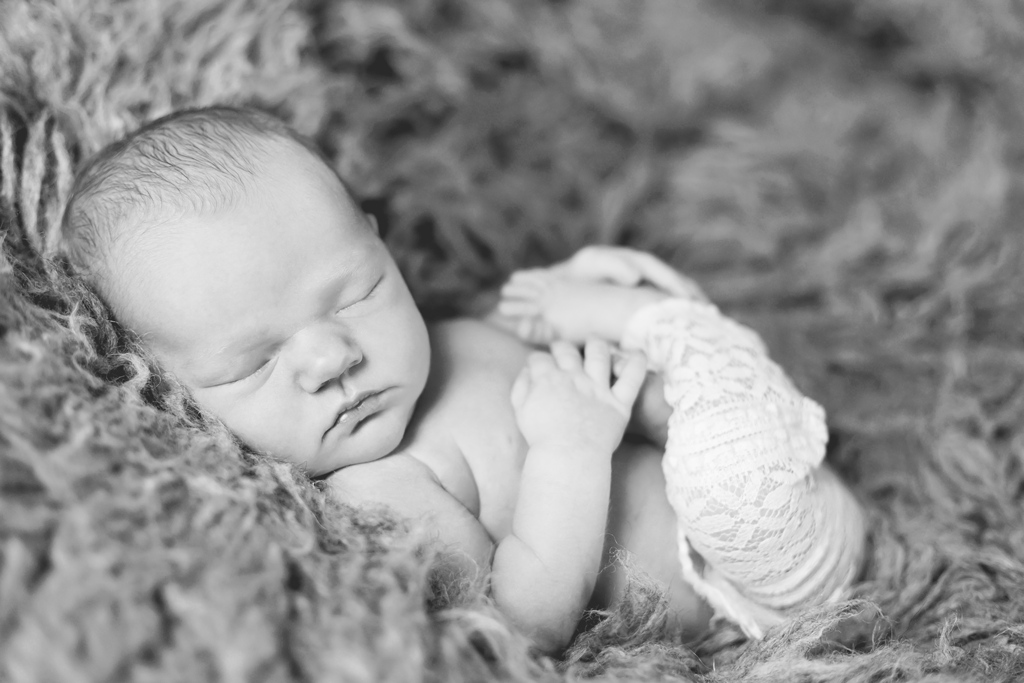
(842, 175)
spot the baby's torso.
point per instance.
(465, 430)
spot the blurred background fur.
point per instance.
(842, 175)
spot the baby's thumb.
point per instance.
(620, 359)
(601, 265)
(630, 371)
(520, 388)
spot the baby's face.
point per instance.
(287, 318)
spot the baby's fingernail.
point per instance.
(525, 328)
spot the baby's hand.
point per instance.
(550, 306)
(592, 294)
(561, 396)
(628, 268)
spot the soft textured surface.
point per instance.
(841, 175)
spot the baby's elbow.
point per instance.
(548, 623)
(543, 604)
(551, 638)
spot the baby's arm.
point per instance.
(411, 489)
(776, 530)
(544, 571)
(592, 294)
(549, 305)
(650, 411)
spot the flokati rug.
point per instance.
(844, 176)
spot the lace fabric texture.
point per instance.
(775, 528)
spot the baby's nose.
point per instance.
(323, 353)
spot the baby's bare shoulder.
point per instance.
(469, 348)
(475, 366)
(371, 480)
(412, 490)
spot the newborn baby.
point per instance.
(237, 256)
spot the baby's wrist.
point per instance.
(638, 299)
(567, 445)
(647, 296)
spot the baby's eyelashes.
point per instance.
(264, 368)
(369, 295)
(261, 370)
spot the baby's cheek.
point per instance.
(260, 420)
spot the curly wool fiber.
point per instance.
(843, 177)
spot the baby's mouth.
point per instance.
(351, 415)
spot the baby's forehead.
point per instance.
(140, 191)
(232, 269)
(202, 186)
(278, 190)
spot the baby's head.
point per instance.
(240, 260)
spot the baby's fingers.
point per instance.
(519, 308)
(566, 356)
(665, 277)
(603, 264)
(540, 362)
(526, 284)
(631, 378)
(597, 361)
(520, 388)
(534, 330)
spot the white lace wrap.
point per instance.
(775, 528)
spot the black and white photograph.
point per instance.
(526, 341)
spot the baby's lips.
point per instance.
(348, 420)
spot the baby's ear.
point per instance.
(372, 220)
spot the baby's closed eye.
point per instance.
(251, 373)
(260, 370)
(263, 365)
(364, 297)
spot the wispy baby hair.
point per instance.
(192, 161)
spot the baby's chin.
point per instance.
(381, 436)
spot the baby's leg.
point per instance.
(641, 522)
(776, 530)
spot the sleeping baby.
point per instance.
(650, 423)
